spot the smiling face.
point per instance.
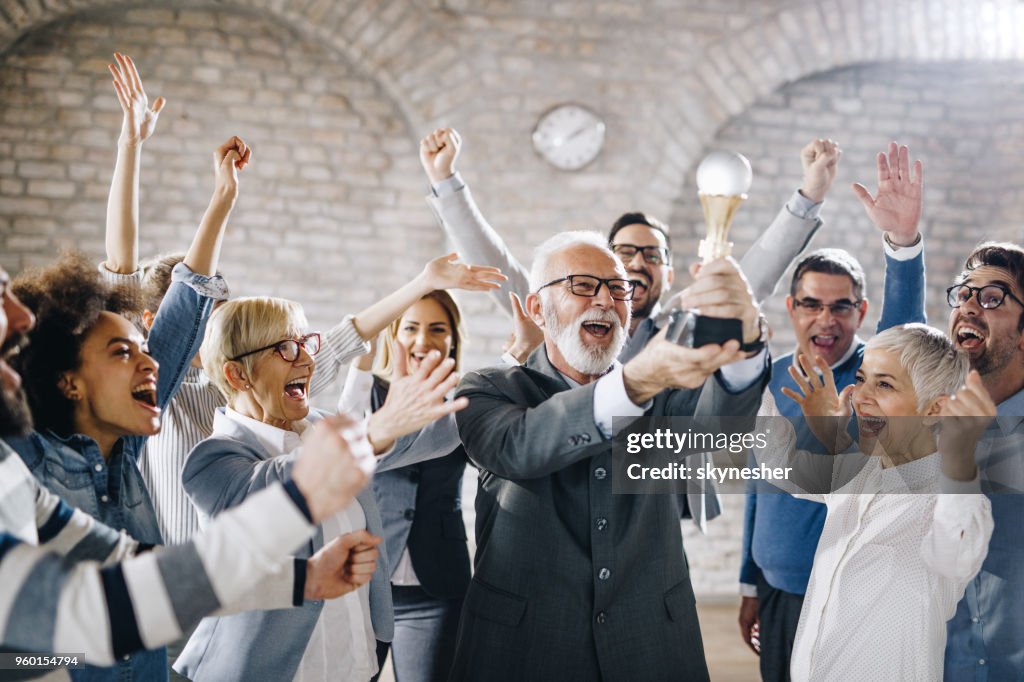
(583, 335)
(824, 333)
(884, 390)
(114, 387)
(651, 279)
(992, 338)
(425, 327)
(279, 390)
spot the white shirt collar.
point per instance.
(276, 441)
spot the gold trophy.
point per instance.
(723, 179)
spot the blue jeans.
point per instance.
(425, 630)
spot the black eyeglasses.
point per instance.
(289, 348)
(989, 296)
(653, 255)
(589, 286)
(813, 306)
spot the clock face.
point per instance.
(569, 136)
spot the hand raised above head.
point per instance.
(896, 209)
(230, 158)
(721, 290)
(438, 153)
(820, 161)
(139, 118)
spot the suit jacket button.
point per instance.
(604, 574)
(602, 523)
(600, 473)
(602, 618)
(409, 514)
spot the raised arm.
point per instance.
(204, 252)
(462, 221)
(896, 212)
(122, 232)
(766, 261)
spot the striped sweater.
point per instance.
(71, 584)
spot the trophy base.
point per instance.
(709, 250)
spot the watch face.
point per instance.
(569, 136)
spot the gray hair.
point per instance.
(935, 366)
(539, 275)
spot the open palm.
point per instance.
(139, 118)
(896, 208)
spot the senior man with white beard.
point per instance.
(572, 582)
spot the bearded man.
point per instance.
(572, 582)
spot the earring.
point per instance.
(248, 385)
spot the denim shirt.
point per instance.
(986, 635)
(112, 490)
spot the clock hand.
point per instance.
(571, 136)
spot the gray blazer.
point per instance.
(219, 473)
(571, 581)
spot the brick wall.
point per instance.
(333, 97)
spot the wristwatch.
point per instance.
(757, 344)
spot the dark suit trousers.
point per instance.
(779, 614)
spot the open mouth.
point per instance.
(416, 358)
(870, 426)
(296, 389)
(145, 396)
(824, 341)
(969, 337)
(597, 328)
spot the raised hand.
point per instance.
(139, 118)
(896, 209)
(414, 399)
(445, 273)
(228, 160)
(826, 410)
(820, 160)
(526, 335)
(964, 417)
(721, 290)
(438, 152)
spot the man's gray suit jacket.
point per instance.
(572, 582)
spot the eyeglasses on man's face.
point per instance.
(652, 255)
(812, 307)
(989, 296)
(589, 286)
(288, 349)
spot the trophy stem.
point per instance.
(718, 213)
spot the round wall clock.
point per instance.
(569, 136)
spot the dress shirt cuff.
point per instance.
(611, 400)
(131, 279)
(903, 252)
(742, 374)
(510, 359)
(448, 186)
(212, 287)
(355, 396)
(802, 207)
(948, 485)
(747, 590)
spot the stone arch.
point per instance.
(814, 37)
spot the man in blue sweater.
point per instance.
(826, 305)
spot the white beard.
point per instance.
(584, 358)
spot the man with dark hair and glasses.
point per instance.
(827, 304)
(986, 321)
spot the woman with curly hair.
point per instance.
(97, 388)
